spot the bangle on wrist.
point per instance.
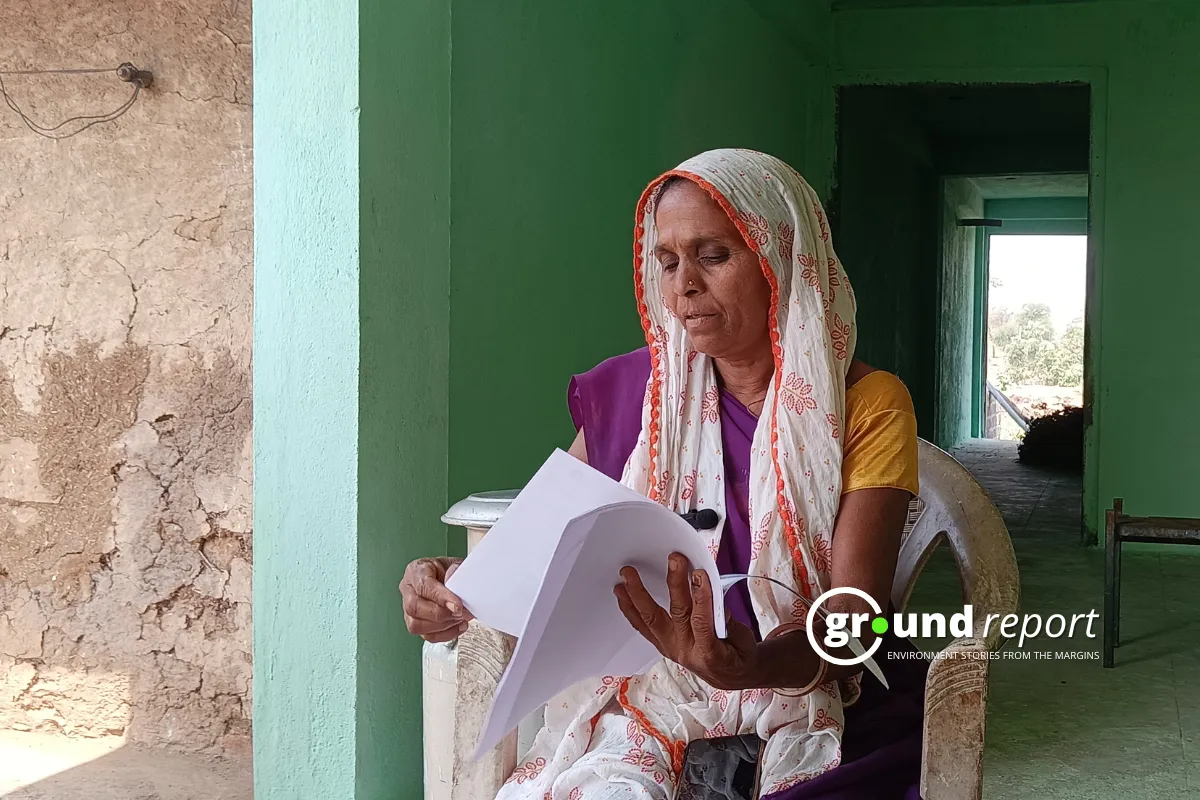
(817, 679)
(822, 665)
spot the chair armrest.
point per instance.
(483, 655)
(955, 713)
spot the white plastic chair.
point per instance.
(952, 509)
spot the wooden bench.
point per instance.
(1119, 528)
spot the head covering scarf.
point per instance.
(796, 458)
(795, 489)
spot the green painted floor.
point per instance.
(1071, 729)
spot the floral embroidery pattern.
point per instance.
(635, 734)
(608, 682)
(834, 280)
(797, 394)
(823, 721)
(692, 357)
(662, 487)
(714, 547)
(841, 337)
(799, 610)
(822, 553)
(576, 794)
(756, 227)
(721, 698)
(792, 782)
(821, 222)
(647, 762)
(785, 241)
(761, 536)
(833, 420)
(809, 274)
(752, 696)
(689, 485)
(717, 732)
(710, 405)
(528, 771)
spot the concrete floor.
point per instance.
(1071, 729)
(36, 766)
(1060, 729)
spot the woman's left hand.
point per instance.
(686, 633)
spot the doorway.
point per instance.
(945, 194)
(1035, 284)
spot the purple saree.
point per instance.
(881, 749)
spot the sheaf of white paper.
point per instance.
(545, 573)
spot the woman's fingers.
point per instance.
(635, 616)
(651, 617)
(679, 587)
(431, 587)
(429, 607)
(425, 616)
(445, 636)
(701, 610)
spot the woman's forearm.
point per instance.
(789, 662)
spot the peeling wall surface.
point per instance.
(125, 461)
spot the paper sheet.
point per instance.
(545, 573)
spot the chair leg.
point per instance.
(1110, 579)
(1117, 599)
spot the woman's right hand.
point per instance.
(432, 611)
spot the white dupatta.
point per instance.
(795, 485)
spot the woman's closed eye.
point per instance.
(714, 258)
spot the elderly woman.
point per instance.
(747, 401)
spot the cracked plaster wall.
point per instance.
(125, 326)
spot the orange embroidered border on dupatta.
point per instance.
(789, 523)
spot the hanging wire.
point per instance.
(126, 72)
(55, 71)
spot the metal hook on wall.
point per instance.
(142, 78)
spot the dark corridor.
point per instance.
(894, 214)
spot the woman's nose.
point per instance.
(689, 278)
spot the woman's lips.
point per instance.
(698, 320)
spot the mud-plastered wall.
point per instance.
(125, 332)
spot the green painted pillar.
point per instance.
(351, 359)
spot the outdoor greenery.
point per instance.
(1030, 351)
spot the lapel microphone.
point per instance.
(702, 519)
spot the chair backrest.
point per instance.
(953, 508)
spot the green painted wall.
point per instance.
(351, 371)
(404, 319)
(561, 114)
(1144, 444)
(885, 223)
(956, 311)
(305, 385)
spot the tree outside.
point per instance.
(1029, 352)
(1035, 325)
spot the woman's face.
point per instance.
(710, 279)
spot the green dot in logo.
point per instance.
(879, 625)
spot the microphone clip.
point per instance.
(702, 519)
